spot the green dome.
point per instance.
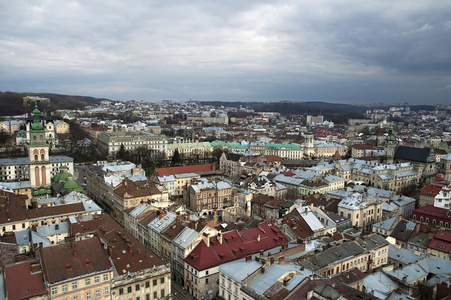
(71, 184)
(62, 177)
(79, 189)
(21, 134)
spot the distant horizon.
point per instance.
(233, 101)
(265, 51)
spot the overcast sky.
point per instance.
(348, 51)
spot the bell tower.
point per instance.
(38, 152)
(390, 146)
(309, 142)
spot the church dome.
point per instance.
(439, 177)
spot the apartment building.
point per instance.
(366, 253)
(77, 270)
(207, 196)
(138, 273)
(202, 263)
(362, 212)
(111, 142)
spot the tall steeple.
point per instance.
(390, 146)
(38, 152)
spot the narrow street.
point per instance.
(178, 293)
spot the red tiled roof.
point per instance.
(235, 245)
(271, 158)
(21, 283)
(70, 260)
(433, 189)
(441, 242)
(185, 169)
(126, 252)
(288, 173)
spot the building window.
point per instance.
(88, 281)
(154, 283)
(88, 296)
(162, 293)
(105, 277)
(54, 290)
(162, 280)
(129, 289)
(75, 298)
(97, 293)
(147, 284)
(121, 291)
(96, 279)
(64, 288)
(137, 287)
(74, 285)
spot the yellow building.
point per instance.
(77, 270)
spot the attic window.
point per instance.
(242, 249)
(87, 261)
(221, 255)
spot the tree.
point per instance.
(121, 153)
(176, 159)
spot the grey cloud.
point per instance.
(253, 50)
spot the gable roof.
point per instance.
(412, 153)
(70, 260)
(185, 169)
(22, 282)
(235, 245)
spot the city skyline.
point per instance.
(332, 51)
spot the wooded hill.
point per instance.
(12, 103)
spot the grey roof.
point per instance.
(273, 273)
(379, 285)
(240, 270)
(185, 237)
(409, 274)
(159, 225)
(340, 252)
(52, 229)
(37, 239)
(22, 237)
(403, 230)
(420, 239)
(386, 224)
(435, 265)
(403, 255)
(139, 209)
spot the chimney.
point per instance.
(285, 282)
(248, 258)
(35, 267)
(262, 270)
(75, 253)
(219, 238)
(57, 226)
(281, 260)
(258, 238)
(271, 260)
(327, 222)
